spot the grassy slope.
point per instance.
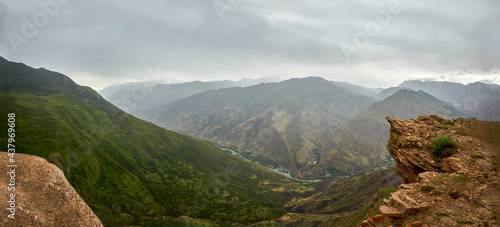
(354, 218)
(130, 171)
(342, 202)
(346, 195)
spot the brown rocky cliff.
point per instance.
(43, 196)
(460, 190)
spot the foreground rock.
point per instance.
(43, 196)
(460, 190)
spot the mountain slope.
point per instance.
(363, 139)
(343, 195)
(280, 121)
(127, 170)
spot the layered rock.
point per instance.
(410, 142)
(452, 191)
(43, 196)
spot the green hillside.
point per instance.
(131, 172)
(343, 195)
(342, 202)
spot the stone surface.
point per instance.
(448, 191)
(43, 196)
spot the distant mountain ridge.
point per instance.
(477, 99)
(280, 121)
(138, 98)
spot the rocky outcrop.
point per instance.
(452, 191)
(409, 145)
(43, 196)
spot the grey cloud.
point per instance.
(120, 39)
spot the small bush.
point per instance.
(426, 187)
(443, 146)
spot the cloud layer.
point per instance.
(370, 43)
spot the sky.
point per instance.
(366, 42)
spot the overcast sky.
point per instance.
(371, 43)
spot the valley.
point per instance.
(225, 113)
(301, 151)
(312, 127)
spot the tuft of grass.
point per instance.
(438, 118)
(426, 187)
(476, 156)
(442, 214)
(465, 222)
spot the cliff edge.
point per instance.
(450, 169)
(43, 196)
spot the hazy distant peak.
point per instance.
(409, 83)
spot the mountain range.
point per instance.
(280, 121)
(138, 98)
(313, 127)
(132, 172)
(477, 100)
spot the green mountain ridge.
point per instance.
(131, 172)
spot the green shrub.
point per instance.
(443, 146)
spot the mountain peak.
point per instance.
(21, 78)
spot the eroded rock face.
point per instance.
(461, 189)
(409, 145)
(43, 196)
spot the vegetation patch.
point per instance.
(442, 214)
(476, 156)
(443, 146)
(465, 222)
(426, 187)
(452, 182)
